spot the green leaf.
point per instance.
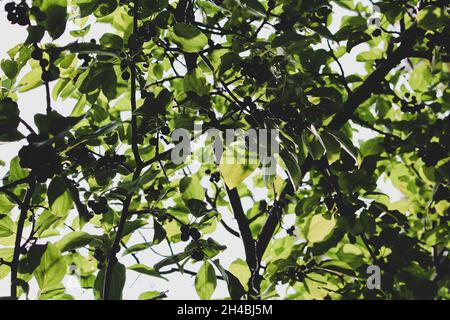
(111, 41)
(59, 197)
(293, 168)
(191, 188)
(7, 226)
(10, 68)
(9, 115)
(52, 268)
(55, 16)
(103, 77)
(171, 260)
(195, 81)
(74, 240)
(357, 38)
(235, 287)
(319, 228)
(438, 235)
(35, 34)
(142, 268)
(6, 254)
(32, 79)
(45, 221)
(82, 32)
(236, 165)
(188, 37)
(205, 281)
(151, 295)
(346, 144)
(15, 170)
(136, 248)
(420, 78)
(159, 232)
(131, 226)
(431, 17)
(240, 269)
(197, 207)
(5, 205)
(117, 285)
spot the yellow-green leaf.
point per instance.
(319, 229)
(205, 281)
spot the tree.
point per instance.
(229, 64)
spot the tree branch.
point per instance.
(244, 227)
(363, 92)
(354, 100)
(17, 244)
(14, 183)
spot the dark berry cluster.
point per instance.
(197, 255)
(262, 205)
(164, 131)
(99, 206)
(432, 153)
(86, 59)
(409, 104)
(294, 273)
(442, 193)
(390, 144)
(188, 232)
(438, 39)
(286, 22)
(153, 193)
(215, 176)
(81, 156)
(321, 15)
(47, 75)
(376, 33)
(111, 160)
(43, 160)
(99, 255)
(147, 31)
(290, 231)
(17, 13)
(203, 102)
(106, 167)
(257, 69)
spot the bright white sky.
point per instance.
(179, 286)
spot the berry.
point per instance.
(376, 33)
(184, 228)
(46, 76)
(247, 100)
(184, 232)
(194, 233)
(165, 130)
(36, 54)
(10, 6)
(100, 206)
(43, 161)
(153, 141)
(352, 239)
(184, 236)
(197, 255)
(126, 76)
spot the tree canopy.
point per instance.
(96, 186)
